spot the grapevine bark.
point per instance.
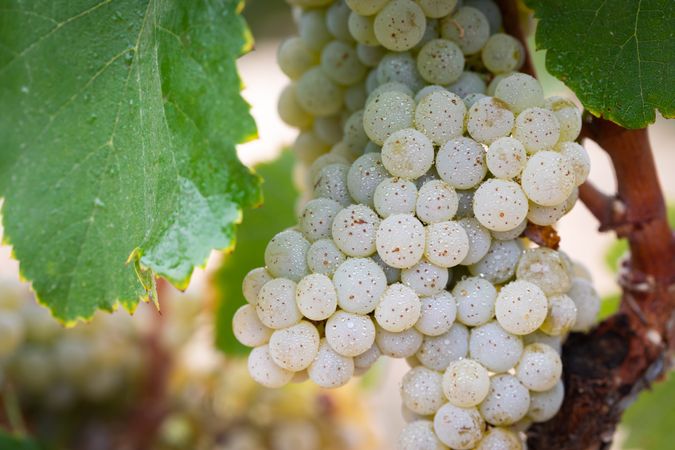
(605, 369)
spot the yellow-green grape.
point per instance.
(459, 428)
(318, 94)
(468, 27)
(313, 30)
(341, 64)
(307, 147)
(366, 7)
(503, 53)
(440, 61)
(289, 109)
(362, 29)
(387, 113)
(295, 57)
(436, 9)
(400, 25)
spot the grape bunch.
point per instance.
(424, 155)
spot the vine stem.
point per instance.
(607, 368)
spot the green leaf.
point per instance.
(258, 228)
(609, 305)
(12, 442)
(618, 56)
(118, 125)
(649, 421)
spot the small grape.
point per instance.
(495, 348)
(471, 99)
(491, 11)
(370, 55)
(440, 116)
(537, 128)
(545, 405)
(318, 94)
(500, 439)
(337, 18)
(359, 282)
(324, 257)
(588, 304)
(248, 329)
(313, 30)
(316, 297)
(568, 116)
(407, 153)
(341, 64)
(507, 401)
(307, 147)
(400, 25)
(511, 234)
(355, 138)
(503, 53)
(330, 369)
(468, 27)
(400, 68)
(386, 113)
(499, 264)
(362, 29)
(264, 371)
(289, 108)
(253, 282)
(437, 314)
(398, 309)
(489, 119)
(365, 174)
(276, 305)
(331, 182)
(400, 240)
(390, 86)
(323, 161)
(436, 202)
(395, 196)
(562, 313)
(548, 178)
(295, 57)
(295, 347)
(555, 342)
(475, 301)
(329, 129)
(506, 158)
(539, 368)
(440, 61)
(447, 243)
(479, 240)
(317, 217)
(461, 163)
(500, 205)
(466, 383)
(520, 91)
(549, 215)
(437, 8)
(366, 7)
(578, 157)
(458, 428)
(419, 435)
(398, 345)
(431, 32)
(545, 268)
(365, 360)
(354, 230)
(467, 84)
(425, 278)
(421, 391)
(437, 352)
(350, 334)
(521, 307)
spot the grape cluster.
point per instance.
(426, 154)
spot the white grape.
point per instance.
(390, 86)
(399, 308)
(468, 83)
(324, 257)
(307, 147)
(359, 282)
(350, 334)
(426, 90)
(398, 345)
(386, 113)
(494, 347)
(330, 369)
(362, 29)
(468, 27)
(323, 161)
(436, 202)
(365, 174)
(539, 368)
(545, 405)
(317, 217)
(447, 243)
(253, 282)
(295, 57)
(440, 116)
(549, 215)
(437, 314)
(562, 314)
(511, 234)
(507, 401)
(503, 53)
(370, 55)
(568, 116)
(500, 205)
(318, 94)
(491, 11)
(471, 99)
(548, 178)
(366, 7)
(458, 428)
(294, 348)
(545, 268)
(422, 391)
(341, 64)
(479, 240)
(466, 383)
(331, 182)
(401, 240)
(365, 360)
(489, 119)
(521, 307)
(499, 264)
(313, 30)
(316, 297)
(520, 91)
(440, 61)
(475, 301)
(354, 230)
(276, 305)
(555, 342)
(337, 17)
(437, 352)
(400, 25)
(425, 278)
(265, 371)
(537, 128)
(400, 68)
(500, 439)
(395, 196)
(290, 110)
(437, 8)
(588, 304)
(461, 163)
(355, 137)
(419, 435)
(579, 159)
(431, 32)
(248, 329)
(286, 255)
(407, 153)
(329, 129)
(506, 157)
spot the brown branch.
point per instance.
(543, 236)
(512, 25)
(607, 368)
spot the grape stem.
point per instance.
(605, 369)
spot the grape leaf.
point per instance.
(118, 125)
(618, 56)
(258, 227)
